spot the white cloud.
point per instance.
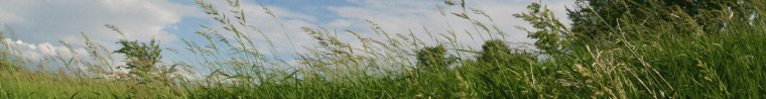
(394, 17)
(402, 16)
(255, 15)
(38, 51)
(40, 21)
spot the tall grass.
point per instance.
(675, 57)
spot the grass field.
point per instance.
(672, 57)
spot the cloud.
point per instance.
(7, 17)
(256, 16)
(39, 21)
(394, 17)
(35, 52)
(403, 16)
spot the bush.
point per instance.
(434, 58)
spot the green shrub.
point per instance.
(434, 58)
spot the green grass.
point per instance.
(675, 58)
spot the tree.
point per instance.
(494, 51)
(430, 58)
(141, 58)
(497, 52)
(552, 36)
(594, 20)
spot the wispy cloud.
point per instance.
(40, 24)
(49, 20)
(403, 16)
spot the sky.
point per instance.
(40, 24)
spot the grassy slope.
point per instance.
(28, 84)
(719, 64)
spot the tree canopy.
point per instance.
(593, 19)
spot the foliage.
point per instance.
(594, 20)
(497, 52)
(552, 36)
(141, 58)
(143, 61)
(434, 58)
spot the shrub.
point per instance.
(434, 58)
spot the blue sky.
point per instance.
(40, 24)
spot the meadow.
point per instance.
(653, 49)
